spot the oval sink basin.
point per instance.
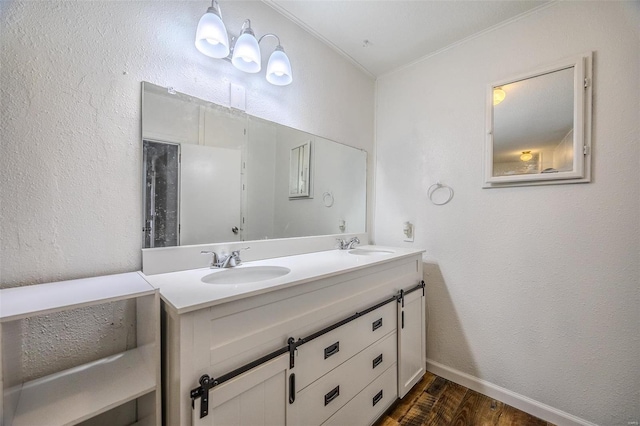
(244, 275)
(369, 252)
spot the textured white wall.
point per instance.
(534, 289)
(70, 198)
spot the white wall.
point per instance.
(70, 198)
(535, 289)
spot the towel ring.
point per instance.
(327, 199)
(433, 188)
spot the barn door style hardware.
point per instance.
(401, 296)
(207, 383)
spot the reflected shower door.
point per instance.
(161, 171)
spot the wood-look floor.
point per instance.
(436, 401)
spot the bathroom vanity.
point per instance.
(332, 337)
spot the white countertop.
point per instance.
(184, 291)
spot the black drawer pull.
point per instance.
(333, 394)
(292, 388)
(377, 398)
(331, 350)
(377, 361)
(376, 324)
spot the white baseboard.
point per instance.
(521, 402)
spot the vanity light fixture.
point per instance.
(211, 36)
(498, 95)
(244, 51)
(526, 156)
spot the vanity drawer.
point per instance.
(317, 402)
(328, 351)
(369, 404)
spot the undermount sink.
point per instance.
(369, 252)
(244, 275)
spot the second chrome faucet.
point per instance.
(225, 260)
(347, 245)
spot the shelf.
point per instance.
(72, 396)
(21, 302)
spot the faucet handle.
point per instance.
(341, 243)
(237, 252)
(235, 256)
(214, 256)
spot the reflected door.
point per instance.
(210, 194)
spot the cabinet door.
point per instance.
(255, 398)
(412, 350)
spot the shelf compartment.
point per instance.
(72, 396)
(40, 299)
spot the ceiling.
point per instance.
(397, 32)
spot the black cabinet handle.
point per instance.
(377, 361)
(331, 350)
(292, 388)
(377, 398)
(376, 324)
(402, 319)
(333, 394)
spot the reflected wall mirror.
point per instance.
(212, 174)
(299, 171)
(539, 126)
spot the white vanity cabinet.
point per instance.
(86, 391)
(337, 346)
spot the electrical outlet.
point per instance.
(409, 231)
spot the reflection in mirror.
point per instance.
(212, 174)
(299, 171)
(538, 126)
(533, 125)
(160, 169)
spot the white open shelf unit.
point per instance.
(80, 393)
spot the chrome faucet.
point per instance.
(225, 261)
(347, 245)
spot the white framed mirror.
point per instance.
(539, 126)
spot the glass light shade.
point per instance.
(526, 156)
(246, 53)
(498, 95)
(211, 36)
(279, 68)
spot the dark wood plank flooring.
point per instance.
(435, 401)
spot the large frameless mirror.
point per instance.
(212, 174)
(538, 126)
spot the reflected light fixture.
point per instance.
(498, 95)
(212, 40)
(526, 156)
